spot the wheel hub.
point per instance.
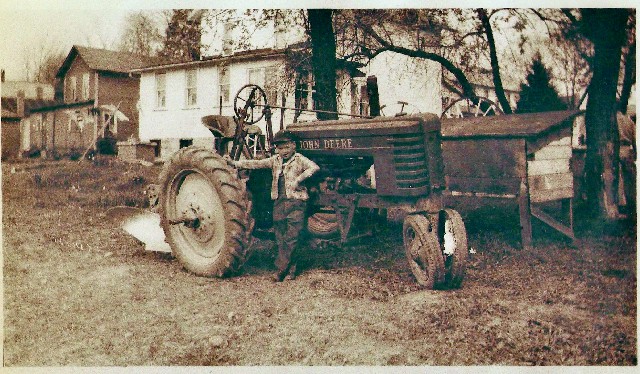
(200, 224)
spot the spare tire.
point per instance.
(205, 212)
(323, 224)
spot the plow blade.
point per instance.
(142, 225)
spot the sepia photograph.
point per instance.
(343, 187)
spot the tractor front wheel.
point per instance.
(452, 237)
(423, 251)
(205, 212)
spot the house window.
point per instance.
(156, 147)
(271, 85)
(304, 89)
(224, 85)
(186, 143)
(192, 91)
(257, 76)
(267, 78)
(85, 86)
(161, 90)
(111, 126)
(73, 89)
(363, 101)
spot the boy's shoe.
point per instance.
(292, 273)
(278, 277)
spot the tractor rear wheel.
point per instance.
(205, 212)
(423, 251)
(452, 236)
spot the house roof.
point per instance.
(252, 54)
(215, 60)
(60, 105)
(108, 61)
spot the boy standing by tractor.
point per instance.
(288, 169)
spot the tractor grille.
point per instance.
(410, 161)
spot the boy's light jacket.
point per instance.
(296, 170)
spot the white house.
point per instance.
(175, 97)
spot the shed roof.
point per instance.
(506, 126)
(109, 61)
(10, 104)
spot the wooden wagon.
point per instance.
(526, 157)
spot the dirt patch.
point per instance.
(79, 292)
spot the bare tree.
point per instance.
(41, 61)
(571, 69)
(142, 34)
(182, 39)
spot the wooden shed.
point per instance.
(526, 157)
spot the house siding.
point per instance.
(177, 121)
(77, 69)
(122, 92)
(62, 130)
(401, 78)
(10, 137)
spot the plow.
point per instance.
(206, 213)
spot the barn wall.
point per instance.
(549, 171)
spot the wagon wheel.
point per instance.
(205, 212)
(452, 237)
(423, 251)
(465, 107)
(249, 99)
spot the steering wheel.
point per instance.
(247, 99)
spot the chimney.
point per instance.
(280, 34)
(20, 103)
(2, 75)
(227, 41)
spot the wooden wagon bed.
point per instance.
(520, 156)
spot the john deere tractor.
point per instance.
(209, 210)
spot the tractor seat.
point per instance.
(220, 126)
(253, 130)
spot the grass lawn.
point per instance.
(79, 292)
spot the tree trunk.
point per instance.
(629, 77)
(323, 62)
(495, 67)
(606, 29)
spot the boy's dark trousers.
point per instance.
(288, 222)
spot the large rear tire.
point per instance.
(423, 251)
(205, 212)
